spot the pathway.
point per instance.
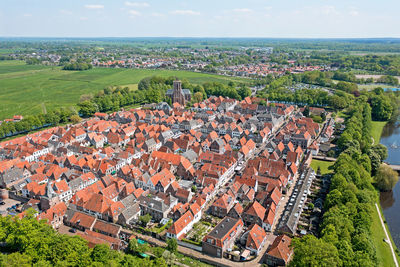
(222, 262)
(387, 237)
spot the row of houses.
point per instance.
(165, 161)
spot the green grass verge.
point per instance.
(324, 165)
(383, 252)
(31, 89)
(376, 131)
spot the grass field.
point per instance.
(324, 165)
(378, 235)
(376, 131)
(31, 89)
(370, 87)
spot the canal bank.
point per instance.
(390, 201)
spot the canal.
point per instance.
(390, 201)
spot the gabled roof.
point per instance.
(280, 248)
(256, 209)
(181, 223)
(256, 237)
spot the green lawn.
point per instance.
(324, 165)
(376, 131)
(370, 87)
(383, 252)
(31, 89)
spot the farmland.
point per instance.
(31, 89)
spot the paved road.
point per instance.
(387, 237)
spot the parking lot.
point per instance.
(8, 204)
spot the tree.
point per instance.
(306, 111)
(382, 108)
(101, 253)
(386, 178)
(198, 97)
(75, 119)
(17, 260)
(145, 219)
(87, 108)
(311, 251)
(244, 91)
(333, 198)
(172, 245)
(381, 150)
(153, 96)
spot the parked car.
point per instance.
(72, 230)
(2, 203)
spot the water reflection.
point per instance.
(387, 199)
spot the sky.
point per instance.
(200, 18)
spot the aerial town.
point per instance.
(226, 178)
(149, 133)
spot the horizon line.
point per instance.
(195, 37)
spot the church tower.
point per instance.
(177, 95)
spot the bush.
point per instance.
(192, 242)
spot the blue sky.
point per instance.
(200, 18)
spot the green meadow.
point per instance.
(31, 89)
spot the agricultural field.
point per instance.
(31, 89)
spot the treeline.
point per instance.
(77, 66)
(388, 64)
(29, 242)
(345, 231)
(153, 90)
(34, 122)
(383, 64)
(325, 79)
(384, 104)
(311, 97)
(278, 90)
(6, 57)
(232, 90)
(113, 99)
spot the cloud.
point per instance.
(242, 10)
(27, 15)
(94, 6)
(354, 13)
(158, 15)
(185, 12)
(83, 18)
(137, 4)
(134, 13)
(329, 10)
(65, 12)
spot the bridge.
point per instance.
(393, 166)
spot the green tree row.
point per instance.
(29, 242)
(153, 90)
(34, 122)
(77, 66)
(346, 226)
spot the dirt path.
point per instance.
(387, 237)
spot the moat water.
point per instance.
(390, 201)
